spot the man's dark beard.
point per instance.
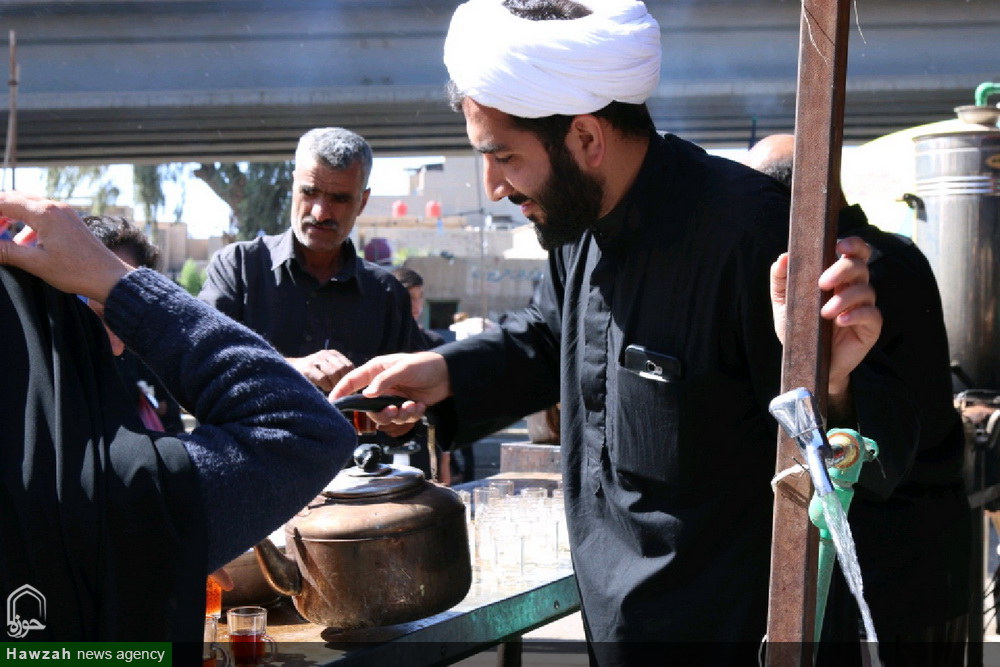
(570, 199)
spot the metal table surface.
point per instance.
(477, 623)
(488, 616)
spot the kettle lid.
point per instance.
(369, 477)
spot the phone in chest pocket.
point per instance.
(652, 365)
(646, 425)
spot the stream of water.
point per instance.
(847, 556)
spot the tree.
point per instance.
(191, 278)
(148, 185)
(61, 183)
(258, 192)
(103, 197)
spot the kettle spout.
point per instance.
(280, 572)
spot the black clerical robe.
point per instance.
(667, 485)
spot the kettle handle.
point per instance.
(362, 403)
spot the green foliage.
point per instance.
(191, 278)
(260, 193)
(104, 196)
(61, 183)
(148, 182)
(148, 190)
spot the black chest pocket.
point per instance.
(647, 428)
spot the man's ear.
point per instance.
(587, 140)
(364, 200)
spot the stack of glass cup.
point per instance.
(515, 539)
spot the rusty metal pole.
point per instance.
(819, 119)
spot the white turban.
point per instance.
(540, 68)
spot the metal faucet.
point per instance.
(798, 413)
(844, 452)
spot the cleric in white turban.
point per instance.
(532, 69)
(654, 302)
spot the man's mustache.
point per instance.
(310, 220)
(517, 199)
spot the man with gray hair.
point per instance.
(324, 308)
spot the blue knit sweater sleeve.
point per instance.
(267, 442)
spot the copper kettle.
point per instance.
(380, 545)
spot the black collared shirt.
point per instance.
(362, 312)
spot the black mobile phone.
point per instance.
(652, 365)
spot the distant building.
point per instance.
(456, 184)
(176, 247)
(490, 287)
(478, 256)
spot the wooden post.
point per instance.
(819, 118)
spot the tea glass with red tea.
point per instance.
(248, 639)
